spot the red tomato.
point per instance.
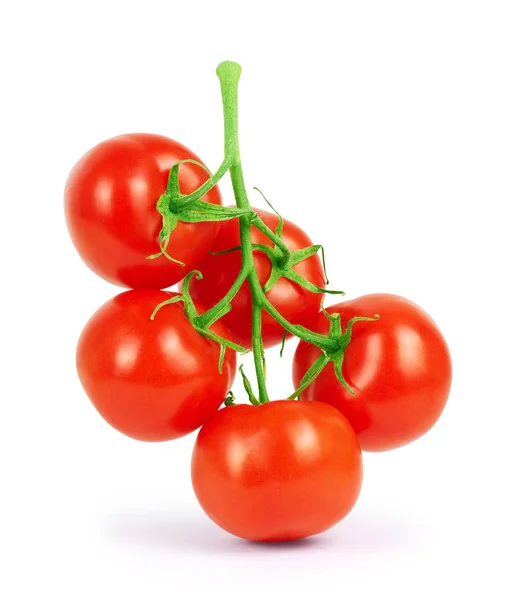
(398, 366)
(152, 380)
(296, 304)
(280, 471)
(110, 208)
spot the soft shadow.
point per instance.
(193, 532)
(369, 532)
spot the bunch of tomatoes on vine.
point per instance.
(371, 374)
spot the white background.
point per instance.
(382, 127)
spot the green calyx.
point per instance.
(282, 266)
(174, 208)
(248, 388)
(283, 260)
(193, 317)
(230, 399)
(336, 357)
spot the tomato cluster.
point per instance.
(372, 373)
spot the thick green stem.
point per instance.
(258, 352)
(229, 74)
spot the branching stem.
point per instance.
(175, 207)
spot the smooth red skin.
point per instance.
(110, 208)
(151, 380)
(399, 367)
(296, 304)
(277, 472)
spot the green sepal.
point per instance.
(275, 276)
(306, 284)
(192, 315)
(201, 205)
(165, 303)
(310, 375)
(221, 340)
(352, 321)
(280, 224)
(170, 221)
(336, 357)
(286, 270)
(298, 256)
(229, 251)
(338, 371)
(283, 340)
(230, 399)
(261, 247)
(173, 186)
(194, 215)
(199, 212)
(222, 353)
(247, 386)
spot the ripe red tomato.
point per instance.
(152, 380)
(280, 471)
(295, 303)
(110, 208)
(398, 366)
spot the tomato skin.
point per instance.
(151, 380)
(399, 367)
(280, 471)
(296, 304)
(110, 208)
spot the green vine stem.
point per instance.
(175, 207)
(229, 74)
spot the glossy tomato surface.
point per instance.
(399, 367)
(152, 380)
(110, 208)
(296, 304)
(277, 472)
